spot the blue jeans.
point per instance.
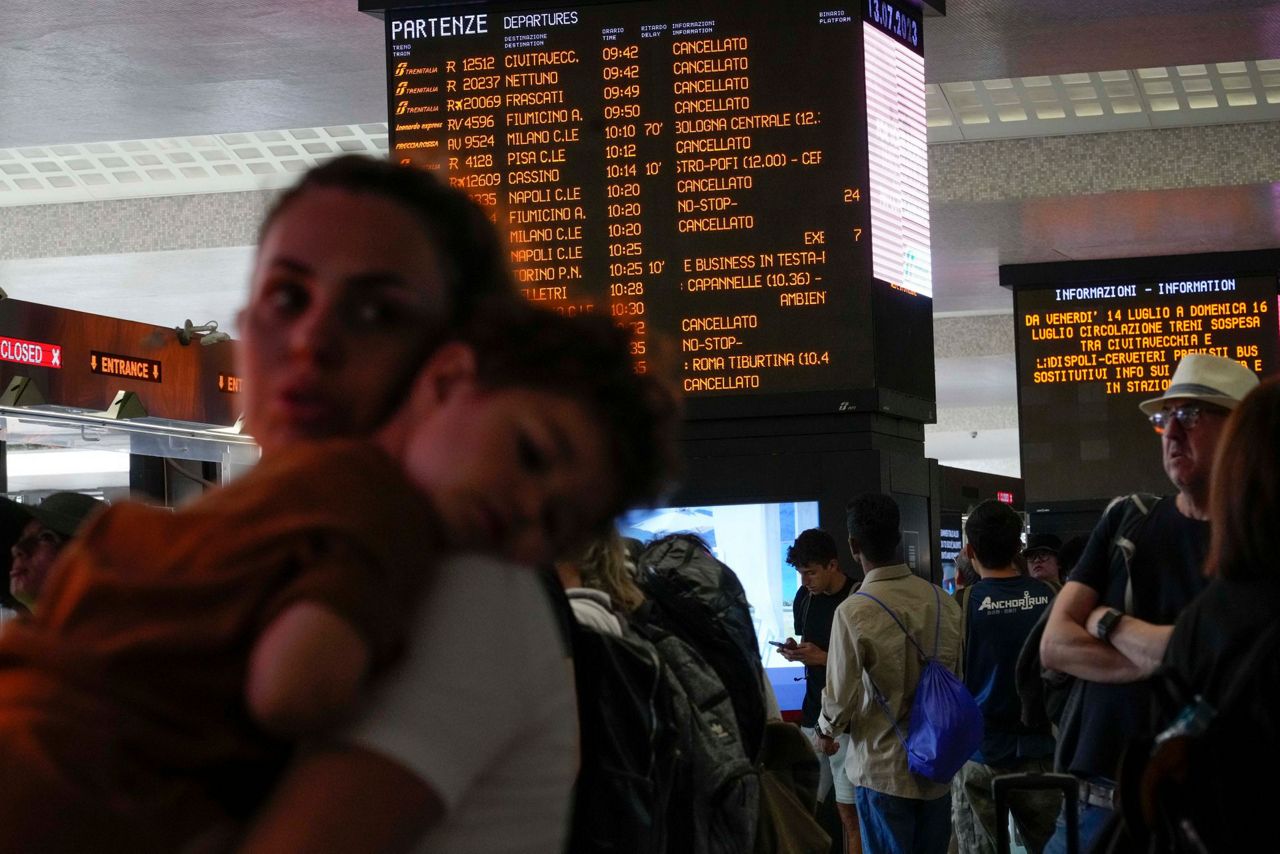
(894, 825)
(1092, 822)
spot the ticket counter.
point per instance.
(114, 408)
(48, 450)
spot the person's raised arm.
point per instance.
(345, 800)
(1068, 647)
(305, 670)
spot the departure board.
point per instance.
(1089, 352)
(730, 180)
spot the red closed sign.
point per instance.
(30, 352)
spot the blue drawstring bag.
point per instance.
(945, 726)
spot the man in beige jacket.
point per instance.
(872, 674)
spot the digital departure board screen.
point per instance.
(1088, 352)
(733, 179)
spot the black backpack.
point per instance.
(701, 601)
(629, 745)
(1048, 696)
(715, 805)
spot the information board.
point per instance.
(731, 178)
(1089, 352)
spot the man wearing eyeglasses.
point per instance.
(54, 521)
(1110, 624)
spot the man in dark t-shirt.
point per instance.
(1000, 610)
(823, 587)
(1109, 627)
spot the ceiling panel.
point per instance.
(985, 39)
(122, 69)
(971, 240)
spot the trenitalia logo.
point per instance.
(30, 352)
(401, 87)
(403, 69)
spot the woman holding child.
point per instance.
(521, 434)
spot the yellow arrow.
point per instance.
(93, 362)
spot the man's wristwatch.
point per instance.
(1107, 624)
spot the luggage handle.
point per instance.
(1067, 784)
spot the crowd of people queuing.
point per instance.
(351, 648)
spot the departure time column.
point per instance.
(624, 208)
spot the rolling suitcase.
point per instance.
(1068, 785)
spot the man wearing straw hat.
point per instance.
(1110, 624)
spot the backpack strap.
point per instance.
(1138, 507)
(889, 611)
(962, 599)
(560, 607)
(937, 620)
(879, 695)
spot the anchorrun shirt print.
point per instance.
(1001, 613)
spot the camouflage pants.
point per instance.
(973, 809)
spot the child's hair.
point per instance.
(603, 565)
(470, 249)
(586, 358)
